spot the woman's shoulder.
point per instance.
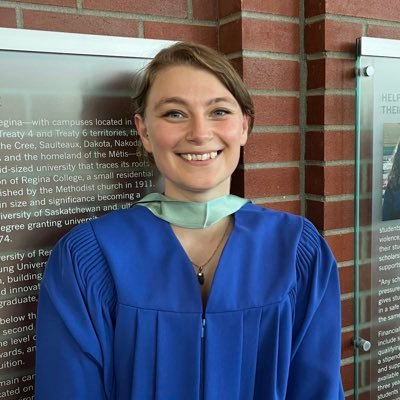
(270, 219)
(77, 259)
(131, 213)
(89, 234)
(283, 229)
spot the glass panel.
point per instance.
(363, 197)
(377, 226)
(68, 153)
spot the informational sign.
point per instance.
(378, 216)
(69, 152)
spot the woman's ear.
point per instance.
(245, 129)
(142, 130)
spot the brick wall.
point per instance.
(297, 58)
(262, 38)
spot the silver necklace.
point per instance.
(200, 268)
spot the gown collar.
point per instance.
(188, 214)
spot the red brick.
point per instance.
(364, 369)
(276, 110)
(365, 211)
(316, 110)
(365, 243)
(387, 32)
(330, 73)
(364, 283)
(339, 110)
(340, 74)
(272, 147)
(205, 9)
(347, 373)
(331, 35)
(66, 3)
(332, 214)
(171, 8)
(314, 37)
(316, 74)
(276, 36)
(330, 110)
(228, 7)
(271, 74)
(289, 8)
(365, 303)
(366, 391)
(330, 180)
(293, 207)
(347, 312)
(271, 182)
(366, 185)
(8, 18)
(341, 36)
(314, 7)
(160, 30)
(347, 344)
(388, 10)
(343, 250)
(79, 23)
(259, 35)
(346, 275)
(339, 180)
(230, 37)
(330, 146)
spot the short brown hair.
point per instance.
(197, 55)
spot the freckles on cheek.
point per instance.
(233, 135)
(163, 141)
(233, 127)
(163, 138)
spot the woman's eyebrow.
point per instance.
(222, 100)
(182, 101)
(173, 99)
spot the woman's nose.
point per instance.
(199, 130)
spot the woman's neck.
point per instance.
(177, 192)
(198, 197)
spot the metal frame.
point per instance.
(377, 47)
(75, 43)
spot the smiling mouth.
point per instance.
(200, 157)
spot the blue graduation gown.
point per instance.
(121, 317)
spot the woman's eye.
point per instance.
(221, 112)
(173, 114)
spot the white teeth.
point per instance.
(199, 157)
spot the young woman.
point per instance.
(193, 293)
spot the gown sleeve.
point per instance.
(316, 344)
(74, 323)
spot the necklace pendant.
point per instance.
(200, 277)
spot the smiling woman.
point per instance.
(194, 128)
(193, 293)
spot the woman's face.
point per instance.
(194, 128)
